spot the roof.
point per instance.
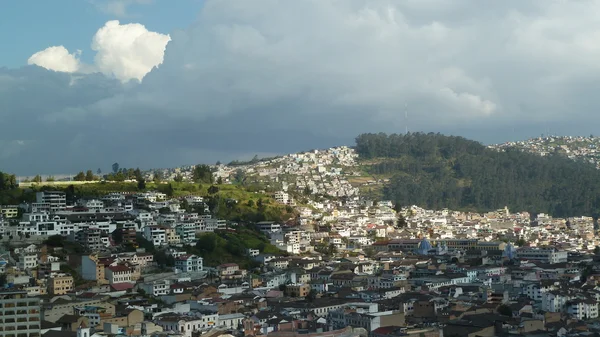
(121, 286)
(119, 268)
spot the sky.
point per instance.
(164, 83)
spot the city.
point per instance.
(142, 263)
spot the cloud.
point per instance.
(128, 51)
(124, 51)
(118, 8)
(269, 76)
(56, 58)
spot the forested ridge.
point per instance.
(437, 171)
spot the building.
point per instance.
(20, 314)
(297, 290)
(27, 261)
(9, 211)
(546, 255)
(189, 263)
(268, 227)
(90, 239)
(185, 325)
(60, 284)
(118, 274)
(92, 269)
(156, 235)
(230, 271)
(56, 200)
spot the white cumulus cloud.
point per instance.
(56, 58)
(123, 51)
(128, 51)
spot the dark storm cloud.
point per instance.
(277, 76)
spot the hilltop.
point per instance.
(437, 171)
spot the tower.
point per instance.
(83, 330)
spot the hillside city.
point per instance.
(148, 263)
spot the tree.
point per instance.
(98, 171)
(115, 167)
(218, 163)
(37, 179)
(250, 203)
(207, 243)
(178, 178)
(7, 181)
(307, 191)
(141, 184)
(79, 176)
(504, 310)
(239, 176)
(117, 235)
(202, 174)
(89, 176)
(219, 181)
(213, 189)
(50, 179)
(157, 176)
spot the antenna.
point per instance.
(405, 118)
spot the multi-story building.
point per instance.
(230, 271)
(297, 290)
(185, 325)
(155, 234)
(90, 239)
(156, 288)
(27, 261)
(186, 232)
(189, 263)
(57, 200)
(9, 211)
(546, 255)
(19, 315)
(92, 269)
(118, 274)
(60, 284)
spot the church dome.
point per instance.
(424, 246)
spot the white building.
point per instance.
(546, 255)
(156, 235)
(57, 200)
(189, 263)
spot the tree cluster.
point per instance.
(436, 171)
(7, 181)
(202, 174)
(87, 176)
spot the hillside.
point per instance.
(228, 201)
(437, 171)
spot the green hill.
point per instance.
(437, 171)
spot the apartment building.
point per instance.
(19, 315)
(155, 234)
(56, 200)
(60, 284)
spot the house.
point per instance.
(230, 271)
(186, 325)
(118, 274)
(189, 263)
